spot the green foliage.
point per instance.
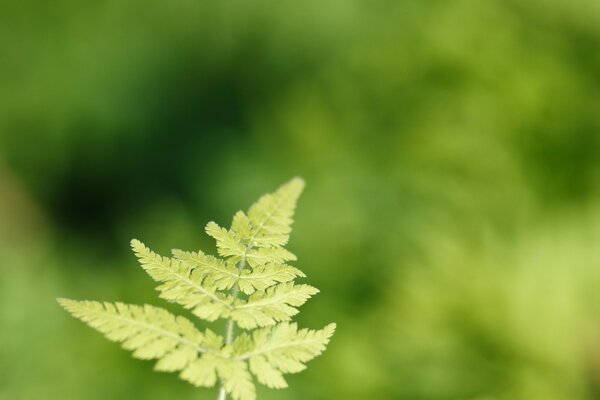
(251, 286)
(150, 332)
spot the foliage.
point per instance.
(250, 285)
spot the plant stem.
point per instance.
(230, 325)
(222, 395)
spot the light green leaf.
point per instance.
(233, 374)
(242, 228)
(271, 216)
(267, 275)
(150, 332)
(281, 349)
(275, 304)
(271, 255)
(184, 284)
(222, 275)
(228, 244)
(236, 379)
(266, 373)
(202, 372)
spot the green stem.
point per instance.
(222, 395)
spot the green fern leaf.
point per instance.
(275, 304)
(202, 372)
(237, 380)
(281, 349)
(267, 275)
(251, 285)
(228, 243)
(222, 275)
(225, 276)
(265, 255)
(242, 227)
(184, 284)
(150, 332)
(232, 373)
(271, 216)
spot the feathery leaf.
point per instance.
(228, 244)
(267, 275)
(271, 216)
(265, 255)
(184, 284)
(250, 285)
(236, 379)
(150, 332)
(221, 274)
(281, 349)
(267, 307)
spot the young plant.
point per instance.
(250, 285)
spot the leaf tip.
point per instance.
(210, 226)
(136, 244)
(67, 304)
(295, 185)
(298, 181)
(330, 329)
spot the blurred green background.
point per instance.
(452, 156)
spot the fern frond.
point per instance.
(228, 243)
(233, 374)
(184, 284)
(250, 284)
(271, 216)
(223, 275)
(236, 379)
(267, 307)
(265, 255)
(242, 227)
(267, 275)
(150, 332)
(282, 349)
(202, 372)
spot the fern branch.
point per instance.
(274, 351)
(251, 286)
(267, 275)
(271, 216)
(184, 284)
(150, 332)
(222, 275)
(267, 307)
(292, 339)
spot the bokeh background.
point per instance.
(452, 156)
